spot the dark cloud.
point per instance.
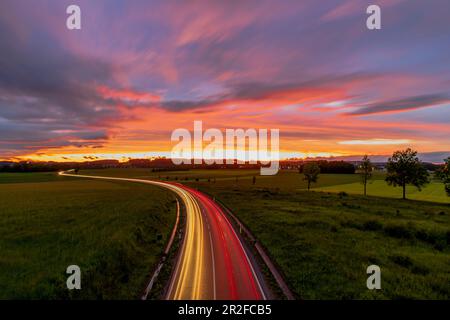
(48, 95)
(32, 137)
(178, 105)
(259, 90)
(409, 103)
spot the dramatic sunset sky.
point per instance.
(139, 69)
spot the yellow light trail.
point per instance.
(191, 262)
(190, 275)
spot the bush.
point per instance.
(398, 231)
(403, 261)
(372, 225)
(434, 237)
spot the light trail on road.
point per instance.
(212, 262)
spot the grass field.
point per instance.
(31, 177)
(288, 181)
(432, 192)
(115, 232)
(322, 240)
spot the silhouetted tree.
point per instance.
(444, 175)
(311, 172)
(404, 168)
(366, 169)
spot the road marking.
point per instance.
(213, 265)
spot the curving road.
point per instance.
(212, 262)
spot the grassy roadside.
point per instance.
(324, 242)
(115, 232)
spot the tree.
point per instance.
(336, 167)
(404, 168)
(444, 175)
(366, 169)
(311, 172)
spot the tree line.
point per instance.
(403, 168)
(330, 166)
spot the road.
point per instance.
(212, 262)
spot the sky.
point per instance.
(137, 70)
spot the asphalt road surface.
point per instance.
(212, 262)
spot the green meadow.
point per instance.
(322, 240)
(288, 180)
(433, 192)
(30, 177)
(114, 231)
